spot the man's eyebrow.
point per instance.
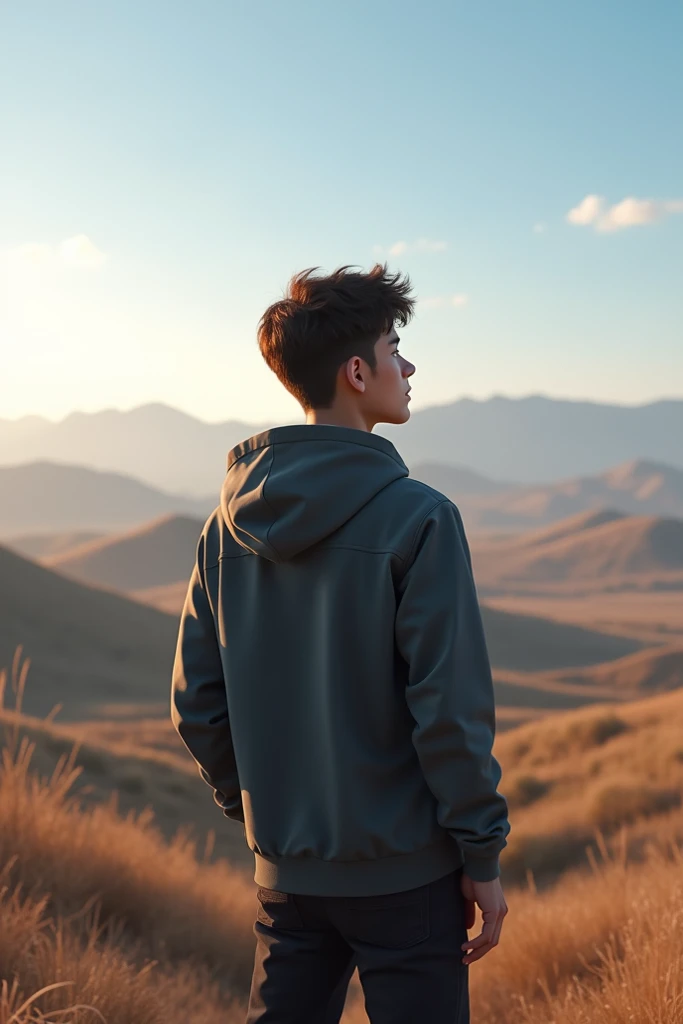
(394, 341)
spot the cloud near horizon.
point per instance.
(630, 212)
(77, 251)
(401, 247)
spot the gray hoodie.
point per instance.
(331, 676)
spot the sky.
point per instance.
(167, 166)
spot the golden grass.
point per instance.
(603, 947)
(142, 929)
(104, 920)
(592, 768)
(98, 977)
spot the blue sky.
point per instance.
(167, 166)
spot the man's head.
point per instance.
(332, 342)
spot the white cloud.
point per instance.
(398, 248)
(421, 245)
(540, 228)
(588, 210)
(630, 212)
(438, 301)
(77, 251)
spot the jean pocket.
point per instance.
(395, 921)
(277, 909)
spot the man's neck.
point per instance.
(338, 418)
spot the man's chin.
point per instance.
(397, 415)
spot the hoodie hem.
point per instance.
(310, 876)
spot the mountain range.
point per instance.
(600, 550)
(528, 440)
(52, 498)
(604, 550)
(636, 487)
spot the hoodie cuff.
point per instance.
(234, 813)
(482, 869)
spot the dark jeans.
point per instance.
(406, 946)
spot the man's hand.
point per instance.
(489, 898)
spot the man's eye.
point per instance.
(396, 352)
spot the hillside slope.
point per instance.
(533, 644)
(647, 671)
(42, 545)
(87, 646)
(639, 487)
(616, 553)
(50, 497)
(154, 555)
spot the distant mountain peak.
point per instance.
(531, 440)
(640, 469)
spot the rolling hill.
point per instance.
(160, 553)
(42, 545)
(638, 487)
(88, 647)
(82, 499)
(580, 943)
(46, 497)
(169, 598)
(136, 773)
(568, 527)
(648, 671)
(532, 644)
(527, 696)
(600, 548)
(93, 649)
(457, 480)
(602, 766)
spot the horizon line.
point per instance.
(495, 396)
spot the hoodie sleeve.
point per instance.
(440, 634)
(199, 709)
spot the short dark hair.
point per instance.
(323, 321)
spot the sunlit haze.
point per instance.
(167, 166)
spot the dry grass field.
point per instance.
(106, 911)
(128, 898)
(602, 947)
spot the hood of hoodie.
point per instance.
(289, 487)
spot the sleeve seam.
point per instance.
(407, 559)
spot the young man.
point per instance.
(332, 681)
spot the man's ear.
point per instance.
(354, 373)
